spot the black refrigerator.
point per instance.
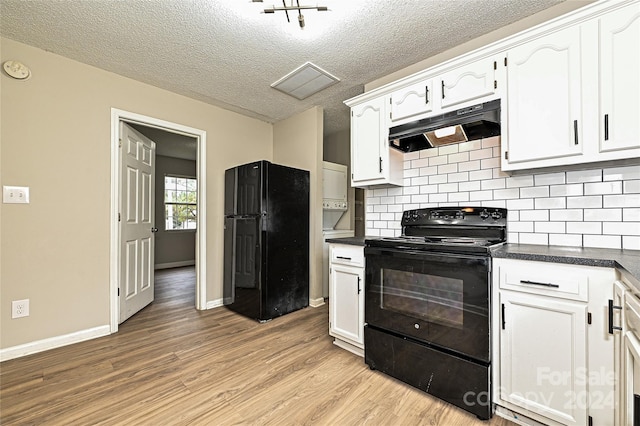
(266, 240)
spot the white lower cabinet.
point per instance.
(618, 327)
(631, 388)
(628, 327)
(346, 297)
(543, 348)
(553, 353)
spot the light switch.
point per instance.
(15, 194)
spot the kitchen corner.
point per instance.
(627, 262)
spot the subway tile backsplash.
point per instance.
(598, 207)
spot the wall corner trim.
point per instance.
(214, 303)
(315, 303)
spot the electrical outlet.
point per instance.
(15, 194)
(20, 308)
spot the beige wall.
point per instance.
(531, 21)
(297, 142)
(55, 138)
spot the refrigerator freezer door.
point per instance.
(243, 189)
(249, 187)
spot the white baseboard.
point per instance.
(174, 264)
(214, 303)
(314, 303)
(348, 346)
(53, 342)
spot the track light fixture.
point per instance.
(295, 5)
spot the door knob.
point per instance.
(154, 229)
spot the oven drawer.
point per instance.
(551, 279)
(347, 255)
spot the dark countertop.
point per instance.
(352, 241)
(626, 261)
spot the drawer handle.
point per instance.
(540, 284)
(343, 258)
(611, 308)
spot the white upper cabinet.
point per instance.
(472, 81)
(620, 79)
(569, 91)
(545, 98)
(573, 95)
(372, 161)
(462, 86)
(412, 101)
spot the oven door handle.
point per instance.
(409, 252)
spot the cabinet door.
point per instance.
(346, 313)
(369, 134)
(469, 82)
(619, 290)
(620, 79)
(631, 348)
(544, 97)
(543, 356)
(412, 100)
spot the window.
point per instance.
(180, 197)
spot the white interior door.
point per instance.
(137, 221)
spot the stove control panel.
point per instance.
(446, 214)
(455, 215)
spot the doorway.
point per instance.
(137, 120)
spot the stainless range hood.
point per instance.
(466, 124)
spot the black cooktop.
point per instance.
(449, 229)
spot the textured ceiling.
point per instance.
(227, 53)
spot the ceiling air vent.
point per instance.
(304, 81)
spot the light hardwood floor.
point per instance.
(171, 364)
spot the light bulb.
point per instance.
(445, 131)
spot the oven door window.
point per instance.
(440, 299)
(433, 298)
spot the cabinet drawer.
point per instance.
(346, 254)
(555, 280)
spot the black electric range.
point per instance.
(428, 303)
